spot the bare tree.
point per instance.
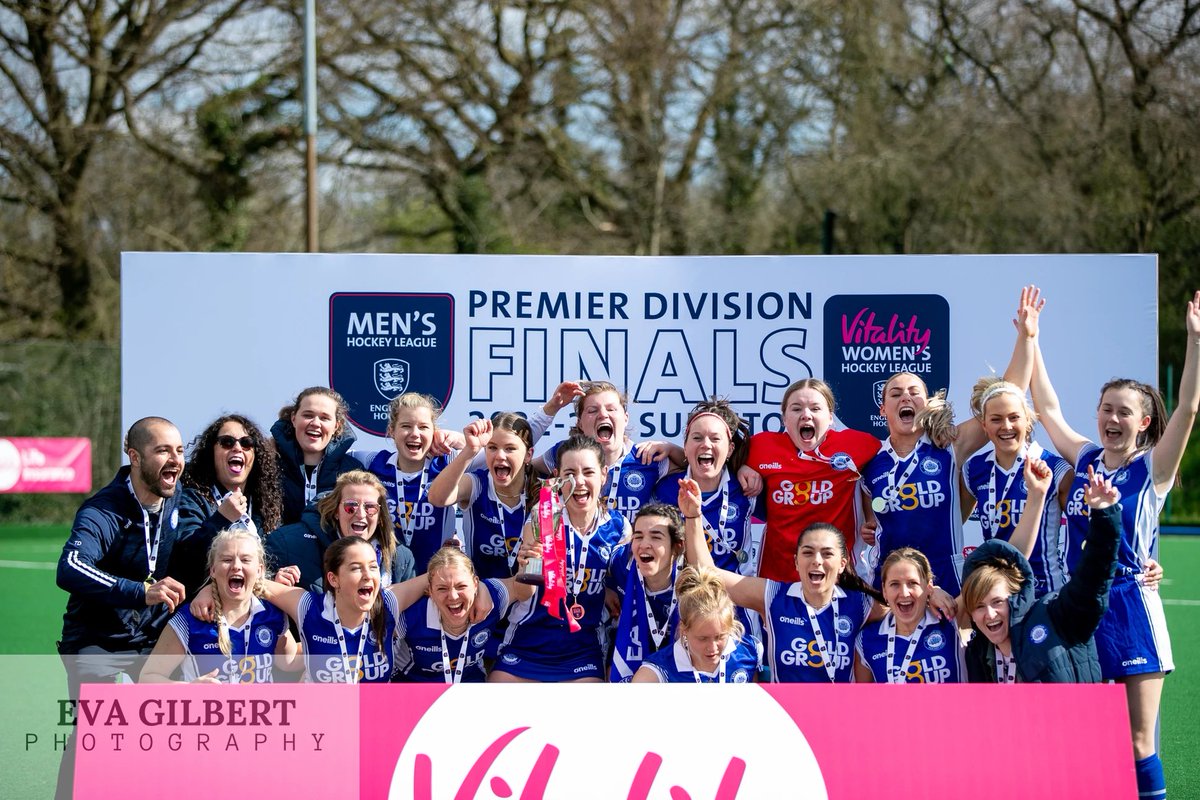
(70, 70)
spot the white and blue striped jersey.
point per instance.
(491, 529)
(937, 657)
(419, 640)
(673, 665)
(999, 517)
(420, 526)
(795, 652)
(1140, 506)
(916, 503)
(252, 645)
(323, 657)
(536, 635)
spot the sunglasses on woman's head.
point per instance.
(229, 441)
(369, 508)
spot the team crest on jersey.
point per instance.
(731, 513)
(843, 626)
(930, 466)
(739, 676)
(263, 635)
(1121, 477)
(1038, 634)
(634, 481)
(841, 461)
(382, 344)
(934, 640)
(605, 552)
(480, 639)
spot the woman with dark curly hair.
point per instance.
(231, 478)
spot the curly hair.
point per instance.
(263, 483)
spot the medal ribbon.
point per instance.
(820, 458)
(1006, 668)
(575, 566)
(408, 521)
(993, 514)
(456, 677)
(351, 675)
(503, 517)
(826, 656)
(897, 674)
(234, 674)
(893, 481)
(659, 632)
(719, 534)
(151, 545)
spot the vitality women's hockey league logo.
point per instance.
(383, 344)
(869, 337)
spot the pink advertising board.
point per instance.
(44, 464)
(678, 742)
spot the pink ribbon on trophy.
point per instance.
(550, 530)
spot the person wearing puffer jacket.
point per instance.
(1049, 639)
(313, 443)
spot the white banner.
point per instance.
(204, 334)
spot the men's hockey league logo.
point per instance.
(391, 377)
(383, 344)
(869, 337)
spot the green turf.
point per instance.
(1180, 732)
(33, 607)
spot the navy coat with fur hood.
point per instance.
(291, 466)
(1052, 635)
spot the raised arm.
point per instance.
(747, 592)
(1019, 372)
(410, 591)
(1082, 602)
(1038, 476)
(1169, 450)
(452, 485)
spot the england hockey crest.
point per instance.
(384, 344)
(391, 377)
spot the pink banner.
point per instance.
(196, 741)
(42, 464)
(605, 741)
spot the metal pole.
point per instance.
(827, 226)
(310, 122)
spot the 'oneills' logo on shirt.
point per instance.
(382, 345)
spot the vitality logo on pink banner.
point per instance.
(588, 741)
(45, 465)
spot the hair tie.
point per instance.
(695, 417)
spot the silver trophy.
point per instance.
(532, 573)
